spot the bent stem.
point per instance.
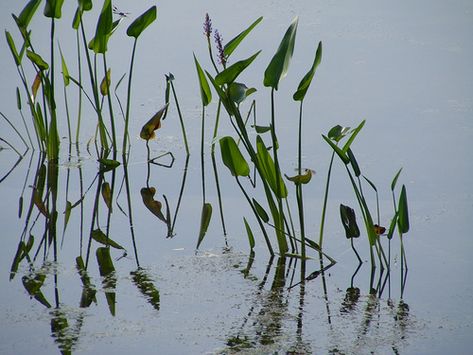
(181, 120)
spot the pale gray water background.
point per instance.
(402, 66)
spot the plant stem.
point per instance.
(183, 128)
(202, 152)
(128, 98)
(110, 107)
(324, 208)
(300, 202)
(219, 196)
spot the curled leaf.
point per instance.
(105, 84)
(147, 195)
(107, 194)
(147, 132)
(302, 178)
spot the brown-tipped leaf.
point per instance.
(148, 130)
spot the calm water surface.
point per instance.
(402, 66)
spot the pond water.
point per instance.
(402, 66)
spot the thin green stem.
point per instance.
(300, 202)
(110, 107)
(219, 196)
(217, 119)
(202, 162)
(181, 120)
(324, 208)
(79, 68)
(128, 98)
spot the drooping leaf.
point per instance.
(261, 212)
(147, 195)
(302, 178)
(373, 186)
(143, 21)
(12, 46)
(353, 135)
(107, 194)
(392, 226)
(279, 65)
(269, 169)
(25, 16)
(353, 162)
(233, 44)
(232, 157)
(340, 153)
(229, 75)
(205, 93)
(19, 255)
(379, 230)
(337, 133)
(33, 284)
(103, 29)
(261, 129)
(106, 83)
(101, 238)
(348, 218)
(148, 130)
(146, 287)
(108, 164)
(53, 8)
(251, 238)
(36, 59)
(238, 92)
(204, 222)
(403, 210)
(299, 95)
(394, 182)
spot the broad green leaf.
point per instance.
(53, 8)
(85, 5)
(108, 164)
(146, 287)
(101, 238)
(233, 44)
(229, 75)
(353, 135)
(403, 211)
(337, 133)
(279, 65)
(107, 194)
(36, 59)
(106, 82)
(307, 79)
(65, 71)
(269, 170)
(394, 182)
(337, 150)
(205, 92)
(143, 21)
(105, 261)
(103, 29)
(13, 50)
(251, 238)
(302, 178)
(204, 222)
(147, 195)
(148, 130)
(348, 218)
(232, 157)
(353, 162)
(238, 92)
(261, 212)
(25, 16)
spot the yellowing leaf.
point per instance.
(147, 132)
(302, 178)
(105, 84)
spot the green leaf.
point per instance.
(261, 212)
(337, 150)
(23, 20)
(348, 218)
(85, 5)
(302, 178)
(307, 79)
(337, 133)
(36, 59)
(394, 182)
(105, 261)
(65, 71)
(19, 255)
(352, 136)
(229, 75)
(261, 129)
(373, 186)
(232, 157)
(238, 92)
(13, 50)
(205, 92)
(251, 238)
(146, 287)
(269, 170)
(106, 81)
(33, 286)
(101, 238)
(279, 65)
(18, 98)
(53, 8)
(403, 211)
(233, 44)
(103, 29)
(108, 164)
(143, 21)
(353, 162)
(392, 226)
(221, 94)
(148, 130)
(204, 222)
(67, 214)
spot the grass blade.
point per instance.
(299, 95)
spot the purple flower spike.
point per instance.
(221, 55)
(207, 26)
